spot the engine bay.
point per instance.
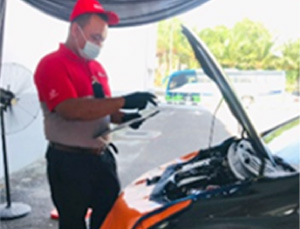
(232, 162)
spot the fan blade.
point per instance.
(16, 78)
(25, 106)
(17, 119)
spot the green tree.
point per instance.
(173, 51)
(248, 45)
(290, 61)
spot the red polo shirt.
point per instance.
(63, 75)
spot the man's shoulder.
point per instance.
(52, 62)
(95, 65)
(51, 58)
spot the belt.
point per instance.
(77, 149)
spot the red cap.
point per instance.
(93, 6)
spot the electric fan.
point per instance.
(19, 107)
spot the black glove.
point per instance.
(128, 117)
(139, 100)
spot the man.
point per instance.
(76, 101)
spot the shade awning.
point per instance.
(131, 12)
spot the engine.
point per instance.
(231, 162)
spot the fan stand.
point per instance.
(10, 210)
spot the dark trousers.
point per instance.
(79, 181)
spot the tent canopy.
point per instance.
(131, 12)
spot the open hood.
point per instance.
(131, 12)
(214, 71)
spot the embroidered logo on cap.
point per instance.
(97, 6)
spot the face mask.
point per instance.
(90, 51)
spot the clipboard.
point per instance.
(144, 116)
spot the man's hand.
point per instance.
(128, 117)
(139, 100)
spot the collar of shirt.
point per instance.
(71, 55)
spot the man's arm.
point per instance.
(117, 117)
(89, 108)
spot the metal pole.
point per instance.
(9, 210)
(2, 19)
(6, 174)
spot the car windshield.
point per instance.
(284, 141)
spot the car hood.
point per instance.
(215, 72)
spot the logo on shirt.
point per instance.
(94, 79)
(53, 94)
(100, 74)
